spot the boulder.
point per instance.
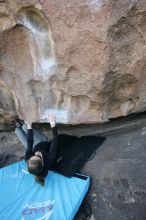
(84, 60)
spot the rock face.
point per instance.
(85, 60)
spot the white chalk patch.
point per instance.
(47, 63)
(95, 4)
(62, 115)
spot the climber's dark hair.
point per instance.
(35, 167)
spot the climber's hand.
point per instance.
(29, 124)
(52, 118)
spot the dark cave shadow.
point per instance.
(74, 152)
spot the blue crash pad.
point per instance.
(24, 199)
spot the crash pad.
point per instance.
(21, 197)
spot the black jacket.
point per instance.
(48, 150)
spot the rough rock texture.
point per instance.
(84, 59)
(118, 171)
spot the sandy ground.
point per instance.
(117, 169)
